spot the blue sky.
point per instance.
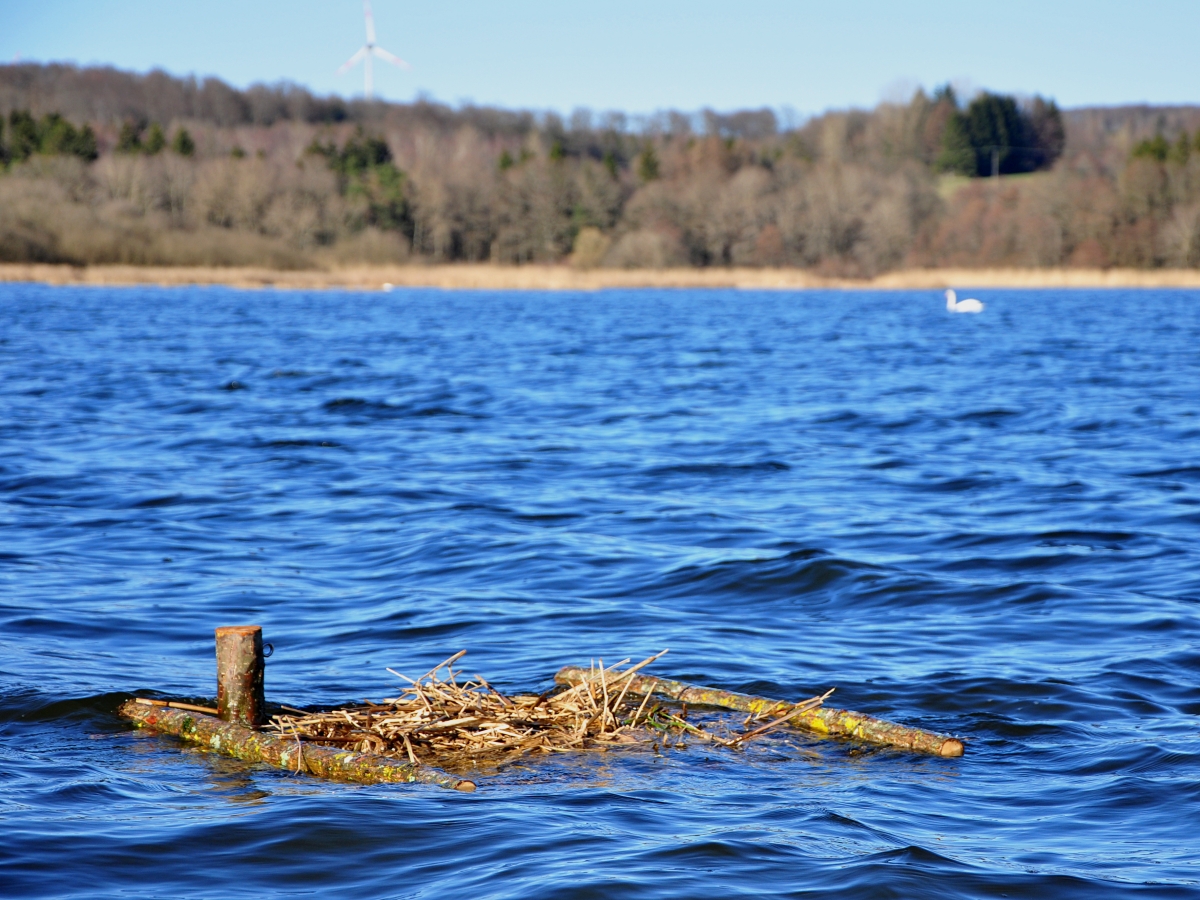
(643, 56)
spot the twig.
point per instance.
(811, 703)
(453, 659)
(172, 704)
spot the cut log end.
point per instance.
(951, 747)
(239, 630)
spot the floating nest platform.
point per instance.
(444, 725)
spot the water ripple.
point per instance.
(985, 527)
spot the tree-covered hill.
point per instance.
(100, 165)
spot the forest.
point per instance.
(103, 166)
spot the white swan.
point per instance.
(970, 305)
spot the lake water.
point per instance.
(983, 525)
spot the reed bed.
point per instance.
(441, 722)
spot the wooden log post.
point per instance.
(240, 675)
(824, 721)
(281, 751)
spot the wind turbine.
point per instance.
(368, 50)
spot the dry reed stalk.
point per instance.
(553, 277)
(645, 700)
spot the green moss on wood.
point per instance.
(244, 743)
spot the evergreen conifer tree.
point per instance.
(648, 164)
(996, 132)
(58, 136)
(130, 138)
(155, 140)
(86, 146)
(1182, 149)
(957, 154)
(1155, 148)
(24, 141)
(183, 143)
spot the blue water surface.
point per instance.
(985, 525)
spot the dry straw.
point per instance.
(439, 722)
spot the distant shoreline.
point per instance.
(564, 278)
